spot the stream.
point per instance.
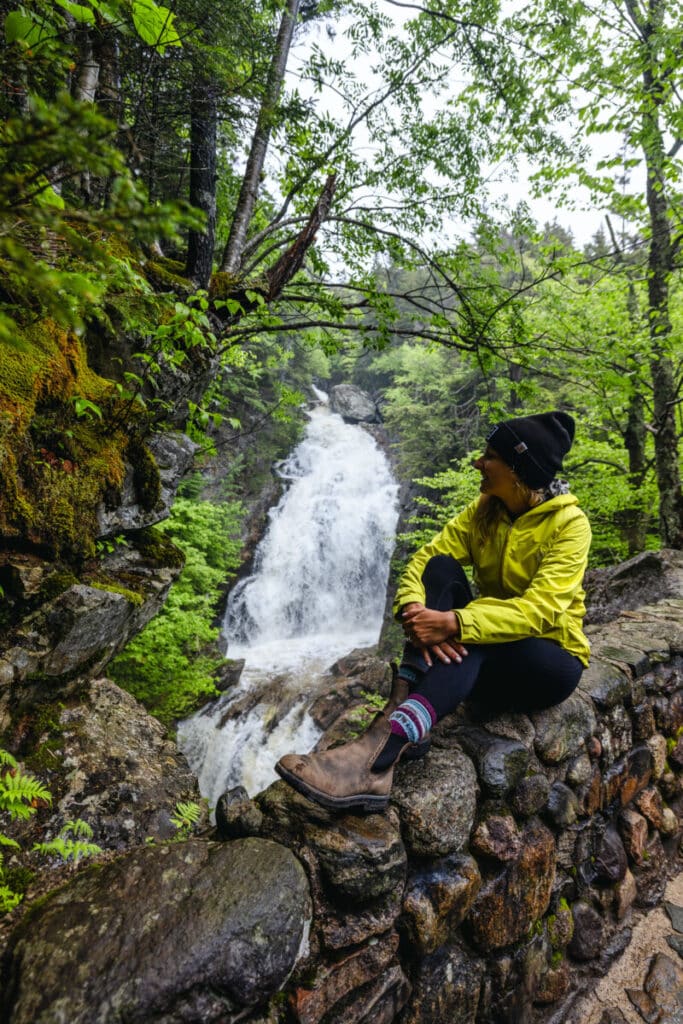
(317, 592)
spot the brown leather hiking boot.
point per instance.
(342, 777)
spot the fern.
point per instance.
(20, 793)
(69, 848)
(186, 817)
(8, 898)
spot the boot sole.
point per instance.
(361, 801)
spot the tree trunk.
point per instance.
(660, 265)
(85, 86)
(232, 256)
(203, 181)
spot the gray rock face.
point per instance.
(123, 776)
(173, 454)
(72, 636)
(437, 800)
(650, 576)
(353, 404)
(220, 929)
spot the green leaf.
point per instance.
(84, 407)
(22, 28)
(83, 15)
(155, 24)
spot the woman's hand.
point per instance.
(433, 631)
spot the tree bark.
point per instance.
(232, 255)
(203, 134)
(660, 265)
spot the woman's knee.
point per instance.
(445, 583)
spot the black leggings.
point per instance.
(518, 675)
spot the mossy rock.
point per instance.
(168, 276)
(56, 465)
(156, 547)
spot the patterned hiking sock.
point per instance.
(410, 723)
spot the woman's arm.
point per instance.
(453, 540)
(546, 599)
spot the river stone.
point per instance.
(438, 899)
(562, 731)
(496, 837)
(446, 989)
(612, 1015)
(530, 795)
(175, 932)
(587, 939)
(236, 815)
(509, 902)
(625, 779)
(353, 404)
(611, 862)
(436, 800)
(606, 684)
(563, 806)
(580, 770)
(634, 831)
(615, 733)
(501, 763)
(366, 985)
(341, 927)
(661, 999)
(650, 804)
(361, 858)
(668, 711)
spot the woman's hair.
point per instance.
(491, 510)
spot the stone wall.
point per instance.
(506, 875)
(514, 858)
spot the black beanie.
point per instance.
(534, 446)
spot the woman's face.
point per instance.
(497, 479)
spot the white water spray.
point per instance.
(317, 591)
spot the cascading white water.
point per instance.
(317, 591)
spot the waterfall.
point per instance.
(317, 591)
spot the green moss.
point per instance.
(156, 547)
(223, 285)
(55, 584)
(56, 465)
(132, 596)
(18, 878)
(168, 276)
(557, 958)
(41, 746)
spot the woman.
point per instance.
(520, 642)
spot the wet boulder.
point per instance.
(436, 800)
(353, 404)
(510, 900)
(175, 932)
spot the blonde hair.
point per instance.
(491, 509)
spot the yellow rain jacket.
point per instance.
(529, 575)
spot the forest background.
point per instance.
(192, 232)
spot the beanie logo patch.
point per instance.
(521, 448)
